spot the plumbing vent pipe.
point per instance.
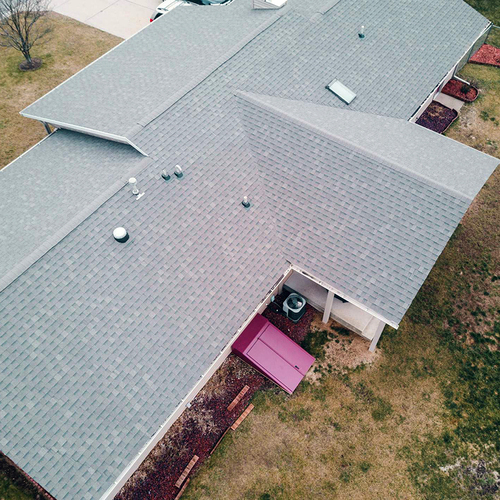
(245, 202)
(178, 172)
(120, 234)
(165, 175)
(133, 182)
(361, 33)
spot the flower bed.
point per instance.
(460, 90)
(487, 54)
(437, 117)
(201, 426)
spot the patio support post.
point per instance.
(328, 306)
(377, 336)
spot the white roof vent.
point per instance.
(133, 182)
(340, 90)
(178, 172)
(268, 4)
(120, 234)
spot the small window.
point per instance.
(340, 90)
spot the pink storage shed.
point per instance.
(274, 354)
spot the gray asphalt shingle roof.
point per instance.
(49, 185)
(101, 341)
(410, 148)
(364, 223)
(405, 54)
(99, 355)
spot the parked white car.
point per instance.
(169, 5)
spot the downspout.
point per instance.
(47, 128)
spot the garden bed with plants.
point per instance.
(487, 54)
(201, 426)
(460, 90)
(437, 117)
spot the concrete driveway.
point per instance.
(122, 18)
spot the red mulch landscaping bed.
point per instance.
(437, 117)
(460, 90)
(487, 54)
(201, 426)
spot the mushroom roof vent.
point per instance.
(120, 234)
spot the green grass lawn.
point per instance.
(423, 421)
(9, 491)
(489, 9)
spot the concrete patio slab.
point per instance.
(83, 10)
(449, 101)
(121, 18)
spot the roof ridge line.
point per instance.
(250, 97)
(146, 120)
(73, 223)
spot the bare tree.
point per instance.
(20, 27)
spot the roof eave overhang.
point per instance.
(85, 130)
(340, 293)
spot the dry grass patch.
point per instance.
(344, 351)
(478, 124)
(70, 47)
(337, 438)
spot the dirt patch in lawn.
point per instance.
(70, 47)
(343, 351)
(478, 124)
(437, 117)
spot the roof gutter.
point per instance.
(85, 130)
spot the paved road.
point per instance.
(122, 18)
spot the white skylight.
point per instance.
(340, 90)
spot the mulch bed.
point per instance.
(437, 117)
(487, 54)
(460, 90)
(201, 426)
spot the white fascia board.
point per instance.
(137, 461)
(344, 296)
(85, 130)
